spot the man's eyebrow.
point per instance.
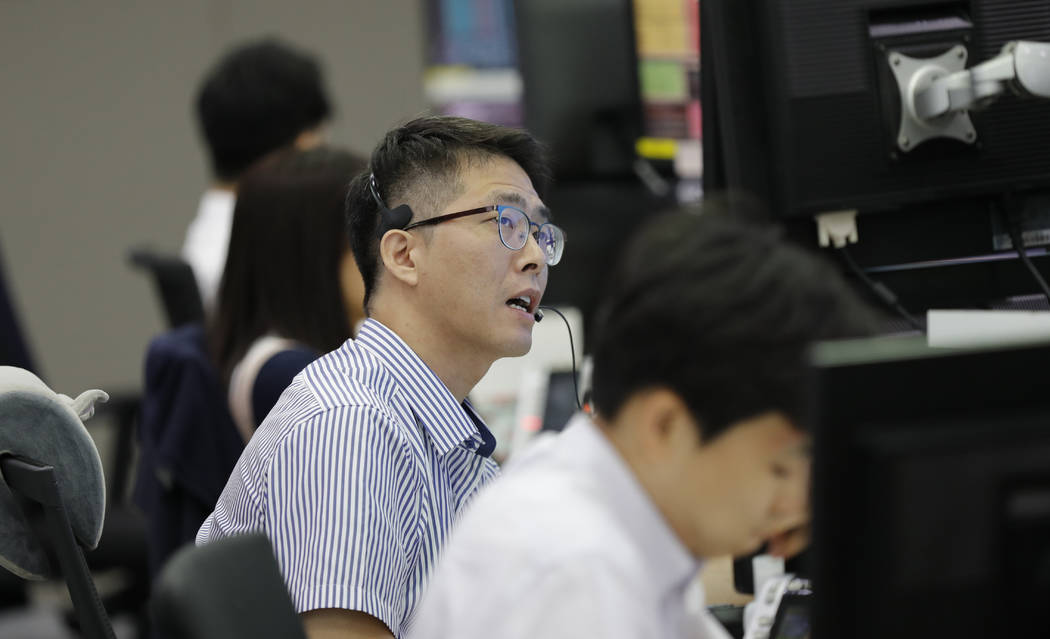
(517, 199)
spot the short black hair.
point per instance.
(286, 246)
(721, 312)
(256, 99)
(418, 163)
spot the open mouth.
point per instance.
(521, 303)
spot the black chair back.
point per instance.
(226, 589)
(36, 483)
(174, 282)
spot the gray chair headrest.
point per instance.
(45, 427)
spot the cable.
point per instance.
(572, 351)
(881, 291)
(1013, 228)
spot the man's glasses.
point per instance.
(514, 227)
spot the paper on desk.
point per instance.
(960, 328)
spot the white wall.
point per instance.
(99, 152)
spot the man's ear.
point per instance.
(666, 421)
(396, 249)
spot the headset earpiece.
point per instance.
(388, 219)
(396, 219)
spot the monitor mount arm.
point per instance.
(938, 93)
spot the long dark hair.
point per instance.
(286, 245)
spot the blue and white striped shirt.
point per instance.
(357, 476)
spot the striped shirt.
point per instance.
(357, 476)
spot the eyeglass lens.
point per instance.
(514, 227)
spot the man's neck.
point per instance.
(457, 367)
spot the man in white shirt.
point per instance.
(696, 449)
(260, 97)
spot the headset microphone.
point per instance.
(538, 315)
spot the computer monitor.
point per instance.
(807, 107)
(801, 108)
(561, 402)
(579, 82)
(931, 491)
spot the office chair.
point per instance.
(227, 589)
(52, 493)
(174, 282)
(123, 544)
(14, 351)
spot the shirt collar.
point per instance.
(445, 420)
(671, 566)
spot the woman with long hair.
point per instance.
(290, 290)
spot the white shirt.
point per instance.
(565, 544)
(356, 476)
(207, 239)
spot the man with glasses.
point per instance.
(369, 456)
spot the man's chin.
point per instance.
(518, 347)
(748, 548)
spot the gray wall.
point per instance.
(100, 152)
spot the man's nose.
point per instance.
(532, 254)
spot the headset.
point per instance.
(388, 219)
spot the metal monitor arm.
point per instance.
(938, 93)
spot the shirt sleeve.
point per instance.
(341, 510)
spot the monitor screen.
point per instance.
(793, 620)
(561, 400)
(931, 485)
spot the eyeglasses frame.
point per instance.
(485, 209)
